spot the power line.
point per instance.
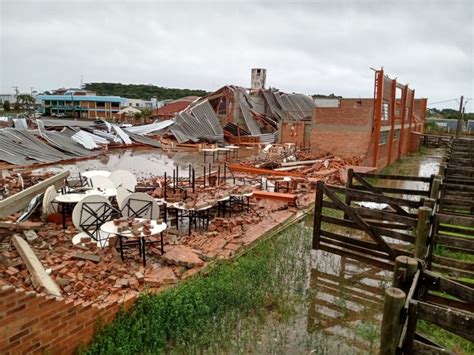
(441, 102)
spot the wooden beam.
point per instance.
(39, 277)
(279, 196)
(458, 322)
(19, 201)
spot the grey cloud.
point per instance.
(309, 47)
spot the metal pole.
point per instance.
(177, 176)
(166, 186)
(459, 125)
(193, 179)
(225, 168)
(189, 172)
(174, 185)
(204, 175)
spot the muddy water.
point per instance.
(339, 308)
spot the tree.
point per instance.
(147, 112)
(6, 105)
(25, 101)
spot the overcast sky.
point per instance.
(309, 47)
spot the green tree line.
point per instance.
(142, 91)
(448, 113)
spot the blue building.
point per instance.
(80, 104)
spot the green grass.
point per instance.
(446, 339)
(203, 313)
(439, 250)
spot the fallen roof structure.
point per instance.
(196, 123)
(154, 127)
(23, 148)
(256, 112)
(62, 142)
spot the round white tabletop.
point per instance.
(111, 228)
(102, 192)
(249, 194)
(91, 173)
(222, 199)
(69, 198)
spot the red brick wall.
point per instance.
(32, 322)
(344, 130)
(293, 132)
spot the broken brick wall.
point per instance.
(32, 322)
(293, 132)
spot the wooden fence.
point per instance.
(345, 224)
(436, 220)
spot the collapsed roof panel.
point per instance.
(62, 142)
(245, 107)
(20, 147)
(56, 122)
(150, 128)
(199, 122)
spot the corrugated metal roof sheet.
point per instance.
(150, 128)
(70, 123)
(62, 142)
(198, 122)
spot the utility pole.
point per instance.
(16, 96)
(459, 125)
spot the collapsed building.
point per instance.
(377, 130)
(245, 115)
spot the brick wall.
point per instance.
(293, 132)
(345, 130)
(32, 322)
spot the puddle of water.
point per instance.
(423, 164)
(142, 162)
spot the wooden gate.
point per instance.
(373, 236)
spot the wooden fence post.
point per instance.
(434, 193)
(391, 322)
(405, 269)
(349, 185)
(421, 236)
(442, 169)
(318, 208)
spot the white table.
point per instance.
(192, 213)
(91, 173)
(234, 149)
(239, 199)
(209, 151)
(102, 192)
(223, 151)
(222, 205)
(156, 228)
(67, 199)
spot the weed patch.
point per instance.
(204, 312)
